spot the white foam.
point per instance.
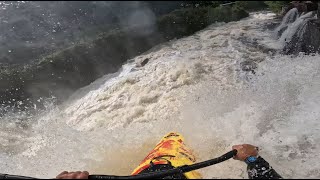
(293, 27)
(289, 18)
(194, 86)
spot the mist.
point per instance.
(50, 49)
(32, 29)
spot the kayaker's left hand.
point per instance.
(73, 175)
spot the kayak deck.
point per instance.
(171, 149)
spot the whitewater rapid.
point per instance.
(195, 86)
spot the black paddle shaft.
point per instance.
(177, 170)
(160, 174)
(8, 176)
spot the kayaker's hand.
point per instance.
(244, 151)
(73, 175)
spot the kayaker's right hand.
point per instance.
(73, 175)
(244, 151)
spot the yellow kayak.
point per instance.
(171, 149)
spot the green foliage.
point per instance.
(202, 3)
(238, 13)
(226, 14)
(251, 5)
(186, 21)
(182, 22)
(276, 6)
(220, 14)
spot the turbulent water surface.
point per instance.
(195, 86)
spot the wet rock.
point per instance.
(311, 6)
(142, 63)
(248, 66)
(254, 44)
(286, 9)
(271, 25)
(306, 39)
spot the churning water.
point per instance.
(195, 86)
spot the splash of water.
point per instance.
(292, 28)
(195, 86)
(289, 18)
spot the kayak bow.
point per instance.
(171, 149)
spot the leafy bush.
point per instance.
(276, 6)
(219, 14)
(226, 14)
(238, 13)
(251, 5)
(182, 22)
(201, 3)
(186, 21)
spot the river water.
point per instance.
(194, 86)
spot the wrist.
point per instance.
(251, 159)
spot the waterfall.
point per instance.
(289, 18)
(293, 27)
